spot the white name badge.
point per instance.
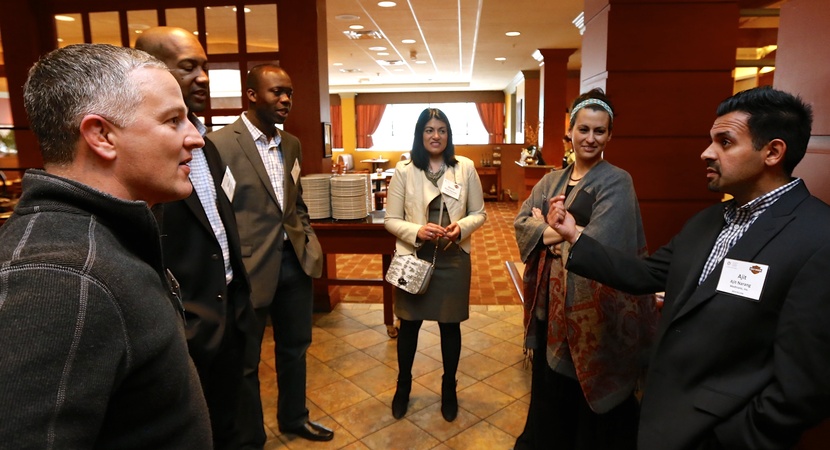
(228, 183)
(742, 278)
(451, 188)
(295, 172)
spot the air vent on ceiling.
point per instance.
(362, 34)
(390, 62)
(350, 70)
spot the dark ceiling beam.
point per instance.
(755, 62)
(752, 4)
(760, 12)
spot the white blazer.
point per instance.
(410, 194)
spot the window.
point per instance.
(396, 128)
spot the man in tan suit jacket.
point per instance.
(279, 249)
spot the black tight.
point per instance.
(408, 345)
(450, 347)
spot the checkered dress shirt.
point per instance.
(738, 220)
(272, 158)
(206, 191)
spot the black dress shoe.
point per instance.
(312, 432)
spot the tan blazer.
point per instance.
(260, 218)
(409, 196)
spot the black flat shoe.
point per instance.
(312, 431)
(449, 399)
(400, 402)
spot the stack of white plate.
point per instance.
(351, 196)
(317, 195)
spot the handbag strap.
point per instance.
(440, 220)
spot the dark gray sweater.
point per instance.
(92, 347)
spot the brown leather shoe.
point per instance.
(312, 432)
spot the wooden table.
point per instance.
(363, 236)
(376, 163)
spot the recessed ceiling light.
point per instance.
(420, 61)
(337, 64)
(356, 27)
(65, 18)
(512, 33)
(383, 53)
(346, 17)
(387, 4)
(408, 41)
(247, 10)
(60, 39)
(501, 58)
(377, 49)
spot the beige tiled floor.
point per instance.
(352, 370)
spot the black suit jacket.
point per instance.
(193, 254)
(751, 374)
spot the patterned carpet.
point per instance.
(494, 244)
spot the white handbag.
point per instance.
(410, 273)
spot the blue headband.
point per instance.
(592, 101)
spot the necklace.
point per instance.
(576, 179)
(434, 176)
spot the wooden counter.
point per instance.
(532, 175)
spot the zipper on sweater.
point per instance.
(175, 293)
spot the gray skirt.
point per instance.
(447, 299)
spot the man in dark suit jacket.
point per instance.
(201, 248)
(279, 248)
(741, 360)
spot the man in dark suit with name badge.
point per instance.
(279, 248)
(201, 247)
(741, 356)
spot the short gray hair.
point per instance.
(72, 82)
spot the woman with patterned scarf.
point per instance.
(588, 342)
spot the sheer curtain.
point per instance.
(367, 121)
(492, 115)
(336, 126)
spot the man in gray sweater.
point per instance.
(93, 352)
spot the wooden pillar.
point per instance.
(801, 68)
(666, 72)
(532, 84)
(25, 38)
(553, 102)
(348, 116)
(303, 54)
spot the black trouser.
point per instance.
(291, 316)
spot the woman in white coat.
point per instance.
(434, 180)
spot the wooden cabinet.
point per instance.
(490, 177)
